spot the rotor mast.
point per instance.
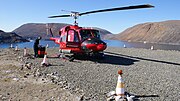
(75, 15)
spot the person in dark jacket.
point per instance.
(36, 44)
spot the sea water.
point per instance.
(110, 43)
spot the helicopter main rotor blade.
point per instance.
(59, 16)
(119, 8)
(76, 14)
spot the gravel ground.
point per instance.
(22, 80)
(151, 75)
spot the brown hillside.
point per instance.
(157, 32)
(33, 30)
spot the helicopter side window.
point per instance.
(63, 38)
(72, 36)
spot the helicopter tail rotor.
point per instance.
(48, 29)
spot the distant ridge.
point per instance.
(10, 37)
(155, 32)
(33, 30)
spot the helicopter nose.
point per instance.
(94, 44)
(101, 47)
(95, 47)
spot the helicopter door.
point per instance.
(72, 39)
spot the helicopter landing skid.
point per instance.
(69, 57)
(97, 55)
(91, 55)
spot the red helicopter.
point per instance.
(75, 40)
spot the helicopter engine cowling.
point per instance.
(93, 45)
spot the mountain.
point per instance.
(33, 30)
(10, 37)
(155, 32)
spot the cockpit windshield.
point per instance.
(96, 34)
(89, 33)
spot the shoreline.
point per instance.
(110, 43)
(145, 72)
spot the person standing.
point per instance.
(36, 44)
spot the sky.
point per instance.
(14, 13)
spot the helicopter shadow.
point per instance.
(140, 58)
(115, 60)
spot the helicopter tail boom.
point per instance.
(56, 40)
